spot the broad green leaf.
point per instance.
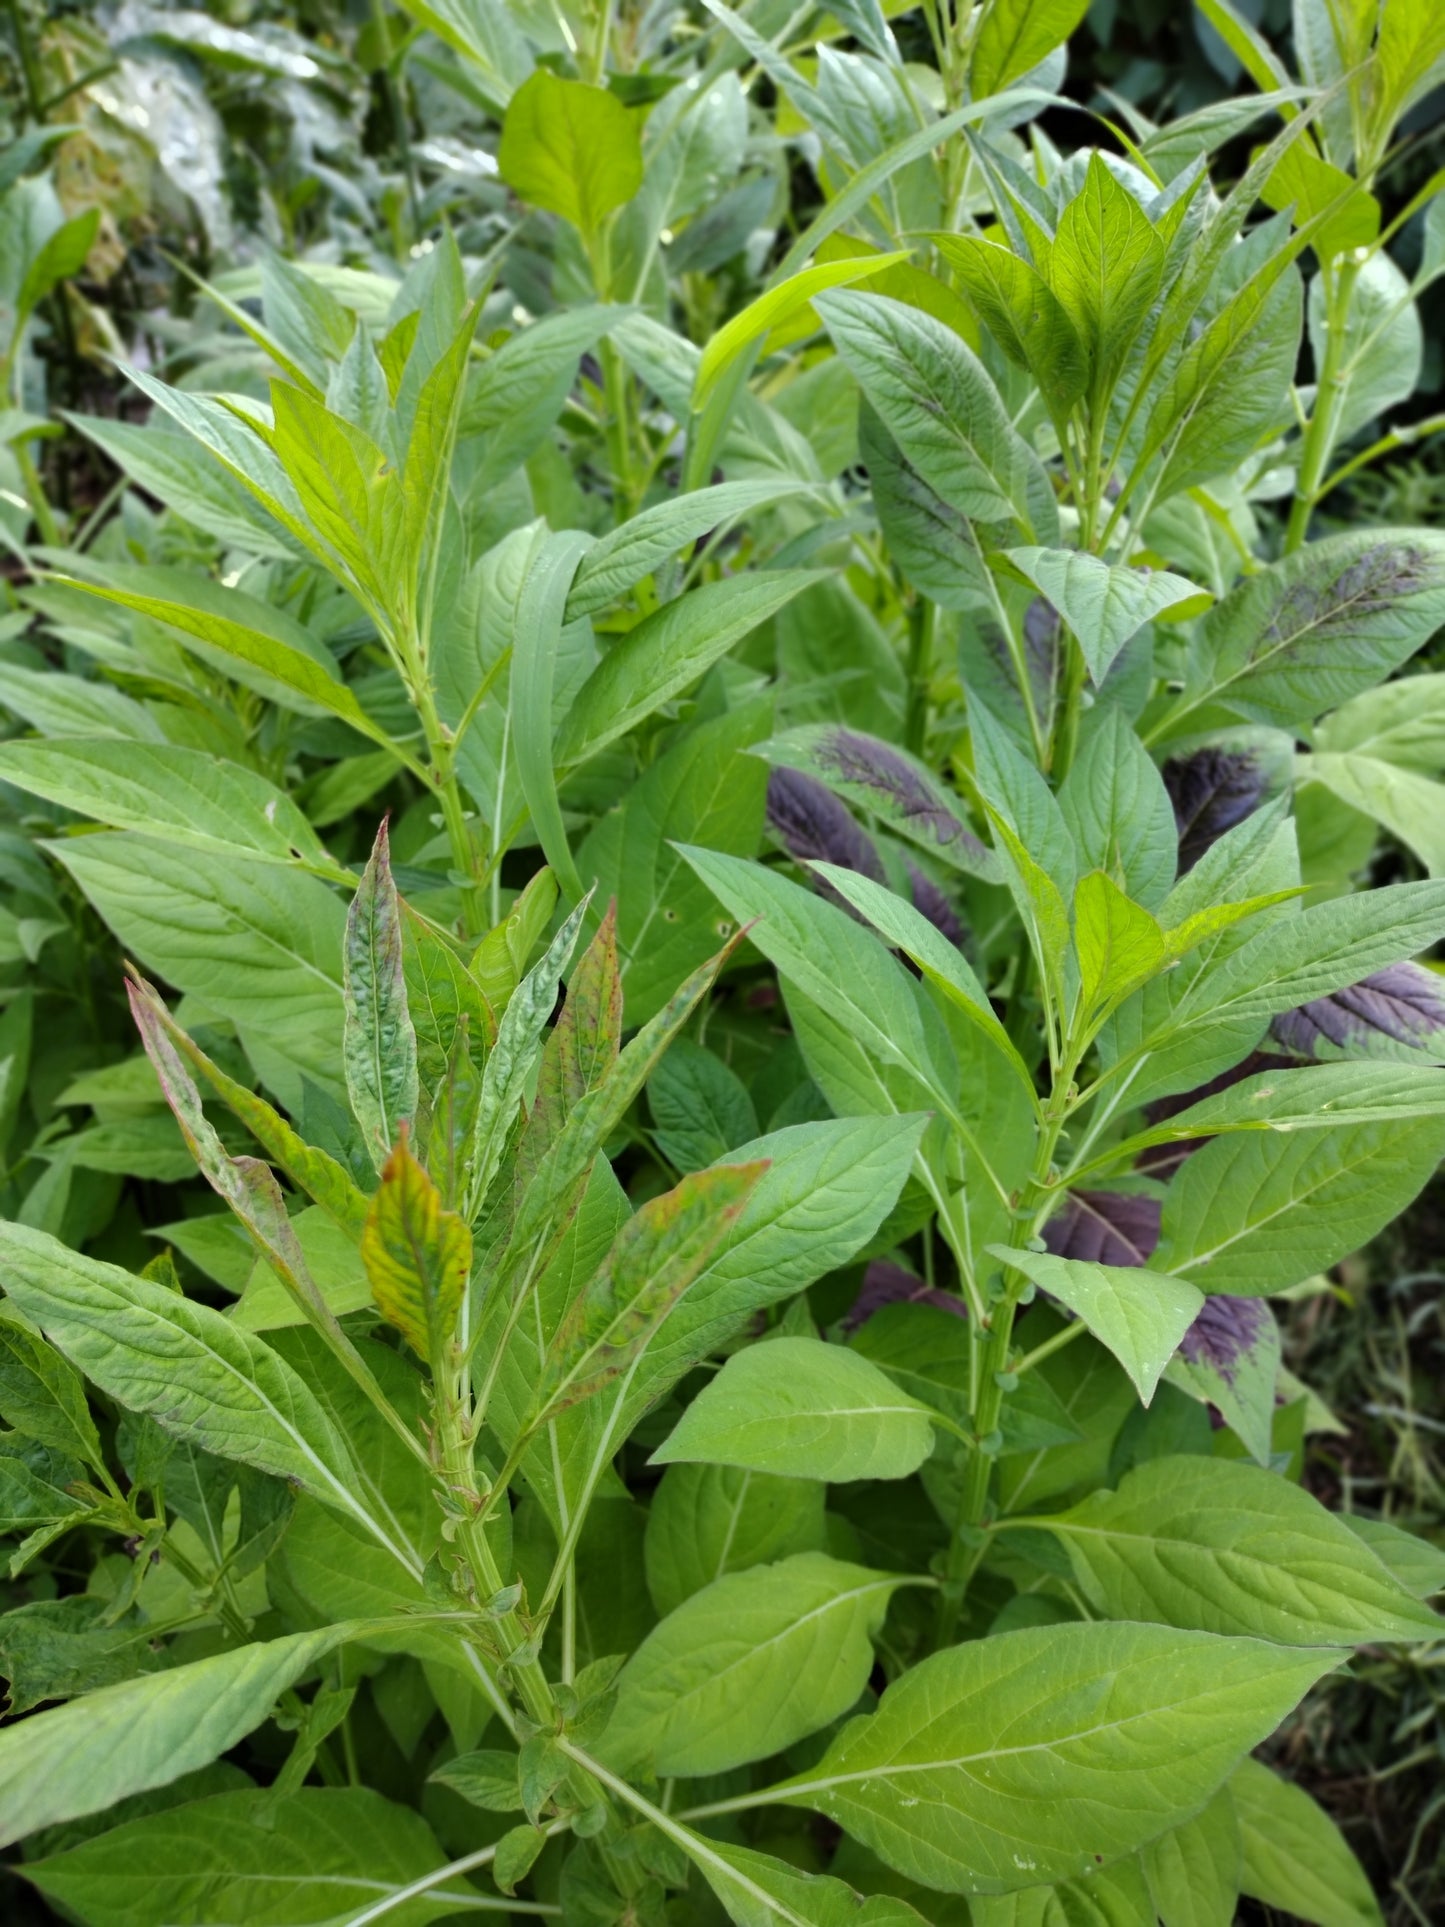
(1295, 1857)
(255, 943)
(805, 1410)
(1194, 1871)
(1226, 1547)
(59, 705)
(1259, 1211)
(708, 1520)
(378, 1040)
(1036, 1755)
(1400, 722)
(81, 1758)
(775, 308)
(667, 652)
(1139, 1314)
(1014, 36)
(937, 401)
(1118, 944)
(750, 1665)
(418, 1255)
(759, 1891)
(1230, 1359)
(1106, 267)
(316, 1855)
(1118, 810)
(827, 1189)
(700, 1107)
(653, 1260)
(1319, 626)
(570, 148)
(1104, 603)
(1416, 1563)
(199, 1376)
(182, 795)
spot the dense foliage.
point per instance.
(722, 845)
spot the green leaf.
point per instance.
(1194, 1871)
(536, 645)
(317, 1855)
(1023, 314)
(1408, 805)
(1104, 603)
(938, 402)
(1118, 810)
(570, 148)
(759, 1891)
(653, 1260)
(41, 1395)
(182, 795)
(708, 1520)
(749, 1666)
(378, 1040)
(1226, 1547)
(1118, 944)
(1014, 36)
(1319, 626)
(1106, 268)
(1416, 1563)
(804, 1410)
(1295, 1857)
(1310, 1098)
(121, 1740)
(775, 309)
(418, 1256)
(700, 1108)
(1139, 1314)
(1035, 1755)
(1257, 1212)
(186, 1365)
(667, 652)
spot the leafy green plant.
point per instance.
(797, 1432)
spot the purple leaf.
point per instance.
(1229, 1359)
(1397, 1013)
(1105, 1228)
(1212, 790)
(889, 1284)
(811, 823)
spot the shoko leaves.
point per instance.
(417, 1254)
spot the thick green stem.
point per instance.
(1319, 436)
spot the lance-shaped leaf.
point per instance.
(198, 1375)
(125, 1739)
(513, 1057)
(1229, 1358)
(876, 776)
(1105, 1227)
(1140, 1315)
(581, 1047)
(774, 309)
(1226, 1547)
(41, 1394)
(1118, 944)
(1295, 1857)
(1211, 789)
(805, 1410)
(1036, 1755)
(810, 822)
(418, 1255)
(378, 1040)
(1288, 1098)
(654, 1259)
(1023, 314)
(1103, 603)
(1399, 1012)
(1016, 35)
(317, 1173)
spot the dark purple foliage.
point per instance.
(1403, 1004)
(813, 825)
(899, 792)
(1226, 1333)
(889, 1284)
(1105, 1228)
(1212, 790)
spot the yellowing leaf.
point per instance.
(418, 1256)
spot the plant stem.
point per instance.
(1319, 436)
(920, 666)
